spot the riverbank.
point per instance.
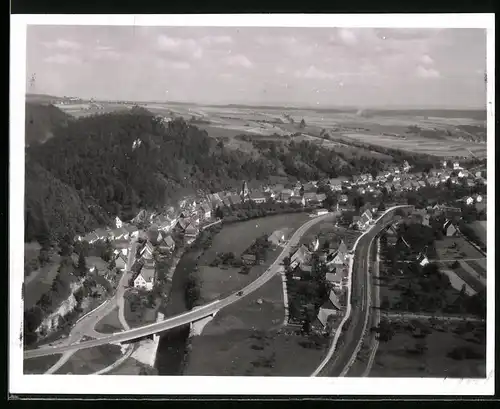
(175, 345)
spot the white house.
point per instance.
(331, 307)
(119, 234)
(456, 166)
(206, 211)
(147, 251)
(146, 278)
(423, 260)
(469, 200)
(319, 212)
(118, 223)
(132, 230)
(315, 245)
(406, 166)
(277, 237)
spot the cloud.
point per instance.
(280, 70)
(180, 45)
(314, 73)
(424, 72)
(209, 40)
(426, 60)
(108, 55)
(180, 65)
(63, 44)
(63, 59)
(239, 60)
(103, 48)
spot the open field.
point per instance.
(444, 148)
(39, 365)
(456, 248)
(243, 340)
(401, 356)
(110, 323)
(236, 238)
(88, 361)
(232, 120)
(473, 272)
(455, 280)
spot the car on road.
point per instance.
(239, 293)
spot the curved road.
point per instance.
(190, 316)
(85, 326)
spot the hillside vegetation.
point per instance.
(41, 120)
(97, 167)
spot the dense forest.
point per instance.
(41, 120)
(114, 164)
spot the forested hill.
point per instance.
(41, 120)
(125, 161)
(53, 209)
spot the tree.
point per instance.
(82, 265)
(302, 124)
(219, 214)
(358, 202)
(326, 245)
(381, 207)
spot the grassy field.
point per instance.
(236, 238)
(473, 272)
(110, 323)
(463, 249)
(243, 340)
(88, 361)
(398, 358)
(442, 148)
(39, 365)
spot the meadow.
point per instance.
(245, 339)
(405, 355)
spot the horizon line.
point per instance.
(275, 104)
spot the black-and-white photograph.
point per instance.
(245, 201)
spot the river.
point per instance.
(172, 345)
(170, 354)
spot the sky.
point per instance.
(323, 67)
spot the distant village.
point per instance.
(192, 214)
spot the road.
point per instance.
(375, 312)
(189, 316)
(86, 325)
(360, 305)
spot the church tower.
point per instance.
(244, 191)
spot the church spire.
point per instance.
(244, 191)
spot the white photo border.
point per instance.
(212, 385)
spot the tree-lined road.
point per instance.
(190, 316)
(360, 305)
